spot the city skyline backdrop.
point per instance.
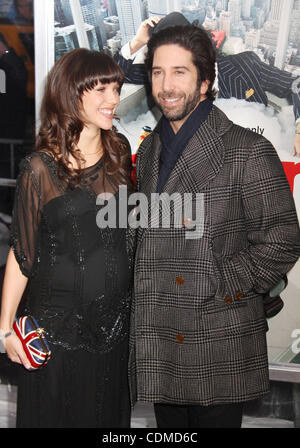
(270, 28)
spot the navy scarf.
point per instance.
(174, 144)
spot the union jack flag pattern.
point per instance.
(33, 340)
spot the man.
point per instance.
(241, 76)
(198, 341)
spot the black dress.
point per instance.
(79, 292)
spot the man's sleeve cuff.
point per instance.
(138, 56)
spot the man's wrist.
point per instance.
(298, 128)
(135, 45)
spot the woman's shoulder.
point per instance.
(37, 161)
(38, 166)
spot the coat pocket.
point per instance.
(234, 280)
(237, 318)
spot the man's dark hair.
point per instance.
(193, 39)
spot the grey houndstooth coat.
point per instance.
(198, 330)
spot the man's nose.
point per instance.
(167, 83)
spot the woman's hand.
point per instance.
(14, 284)
(15, 351)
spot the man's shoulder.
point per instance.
(240, 57)
(249, 138)
(144, 150)
(234, 133)
(151, 139)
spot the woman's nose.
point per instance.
(112, 97)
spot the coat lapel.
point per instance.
(202, 158)
(199, 163)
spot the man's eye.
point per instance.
(156, 73)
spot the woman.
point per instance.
(77, 273)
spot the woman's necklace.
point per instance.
(91, 153)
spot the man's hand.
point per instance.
(142, 36)
(297, 141)
(297, 145)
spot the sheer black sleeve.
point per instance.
(26, 216)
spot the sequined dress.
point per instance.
(79, 292)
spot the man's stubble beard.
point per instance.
(189, 105)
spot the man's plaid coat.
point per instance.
(198, 330)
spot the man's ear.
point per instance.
(204, 86)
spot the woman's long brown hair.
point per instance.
(74, 73)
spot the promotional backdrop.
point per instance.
(261, 31)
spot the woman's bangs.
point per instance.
(103, 71)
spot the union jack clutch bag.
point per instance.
(33, 340)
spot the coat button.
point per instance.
(179, 280)
(228, 300)
(239, 295)
(187, 222)
(179, 338)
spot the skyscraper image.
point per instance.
(162, 8)
(130, 17)
(282, 40)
